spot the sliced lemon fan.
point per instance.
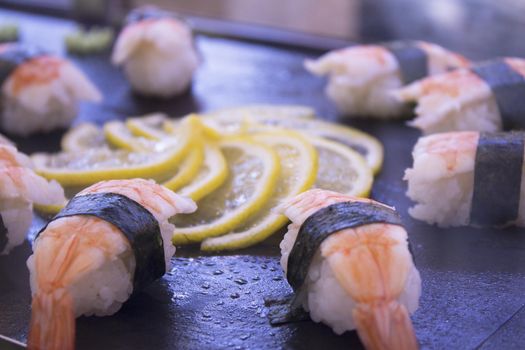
(253, 172)
(211, 175)
(83, 137)
(90, 166)
(341, 169)
(366, 145)
(149, 126)
(119, 136)
(298, 160)
(48, 209)
(189, 168)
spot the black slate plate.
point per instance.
(473, 280)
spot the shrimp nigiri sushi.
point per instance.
(40, 92)
(157, 52)
(362, 78)
(111, 239)
(468, 178)
(20, 187)
(349, 263)
(488, 97)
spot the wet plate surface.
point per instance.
(473, 280)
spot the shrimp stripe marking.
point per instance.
(327, 221)
(136, 223)
(11, 56)
(508, 87)
(412, 60)
(497, 179)
(3, 234)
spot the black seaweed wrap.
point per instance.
(412, 60)
(3, 234)
(497, 179)
(327, 221)
(13, 56)
(136, 223)
(508, 87)
(147, 12)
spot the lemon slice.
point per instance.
(189, 168)
(48, 209)
(212, 174)
(94, 165)
(252, 176)
(83, 137)
(149, 126)
(341, 169)
(119, 136)
(368, 146)
(298, 160)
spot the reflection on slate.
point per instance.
(473, 279)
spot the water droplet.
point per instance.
(264, 266)
(272, 334)
(245, 259)
(256, 278)
(273, 269)
(248, 292)
(206, 285)
(234, 295)
(220, 302)
(240, 281)
(277, 278)
(209, 263)
(218, 272)
(206, 314)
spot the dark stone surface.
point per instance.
(473, 279)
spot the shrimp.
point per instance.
(20, 187)
(441, 179)
(83, 264)
(157, 52)
(460, 99)
(42, 91)
(362, 78)
(372, 267)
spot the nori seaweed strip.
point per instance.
(412, 60)
(326, 221)
(148, 12)
(3, 234)
(497, 179)
(508, 87)
(14, 55)
(136, 222)
(285, 310)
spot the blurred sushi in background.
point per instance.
(20, 188)
(157, 52)
(468, 178)
(112, 239)
(362, 78)
(349, 263)
(40, 91)
(487, 97)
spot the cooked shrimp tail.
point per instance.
(52, 321)
(52, 313)
(385, 325)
